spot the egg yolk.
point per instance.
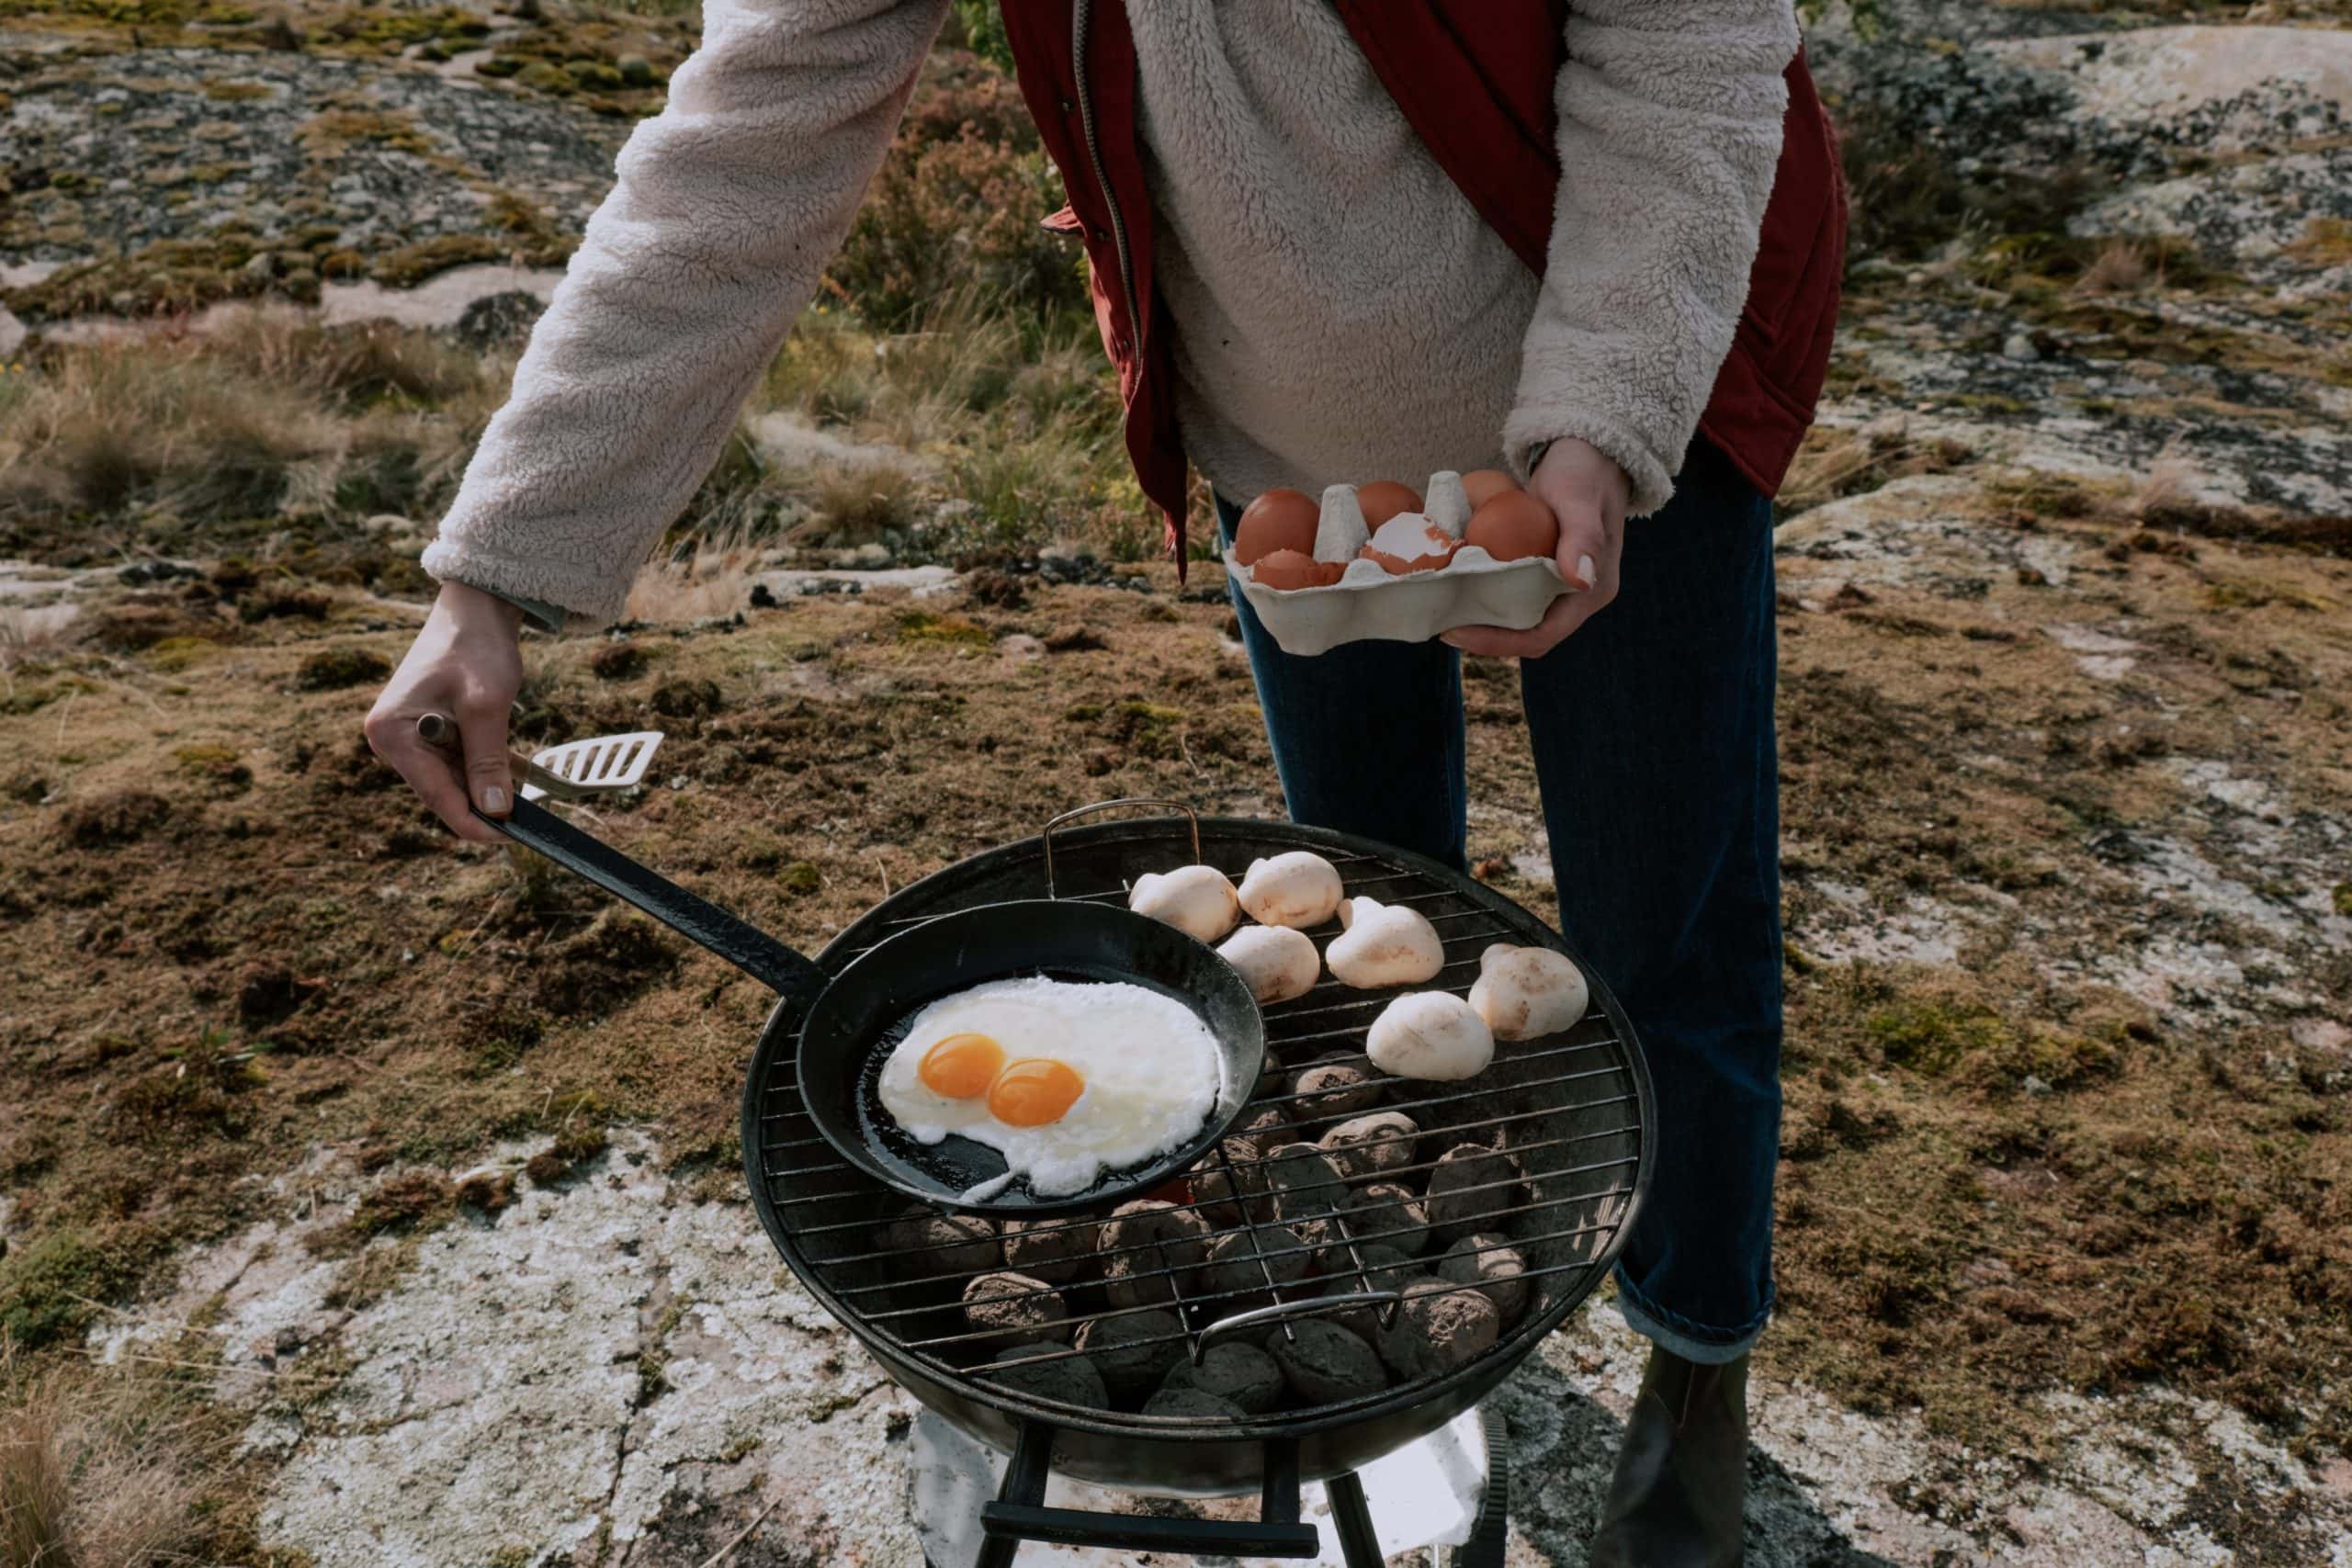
(961, 1066)
(1034, 1091)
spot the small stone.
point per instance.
(2035, 1087)
(260, 269)
(1221, 1195)
(1441, 1327)
(1305, 1183)
(2016, 346)
(951, 1244)
(1231, 1371)
(1133, 1351)
(1471, 1186)
(1051, 1250)
(1337, 1084)
(1241, 1261)
(1384, 1268)
(1390, 1215)
(635, 70)
(1490, 1262)
(1195, 1403)
(1324, 1363)
(1152, 1250)
(1371, 1145)
(1016, 1309)
(1047, 1374)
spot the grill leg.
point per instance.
(1358, 1546)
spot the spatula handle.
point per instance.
(440, 732)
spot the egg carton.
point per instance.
(1368, 603)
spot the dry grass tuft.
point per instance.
(97, 1470)
(33, 631)
(185, 442)
(2121, 268)
(2169, 489)
(710, 574)
(859, 504)
(1835, 463)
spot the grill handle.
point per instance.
(1046, 834)
(1020, 1514)
(1282, 1312)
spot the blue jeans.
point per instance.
(1652, 731)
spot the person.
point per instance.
(1595, 242)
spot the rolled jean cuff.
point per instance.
(1694, 1342)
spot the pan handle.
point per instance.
(697, 919)
(1045, 835)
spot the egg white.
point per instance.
(1151, 1068)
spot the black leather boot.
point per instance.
(1681, 1477)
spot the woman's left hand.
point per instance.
(1587, 491)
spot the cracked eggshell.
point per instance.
(1410, 542)
(1298, 887)
(1432, 1035)
(1276, 962)
(1384, 945)
(1340, 531)
(1198, 900)
(1525, 993)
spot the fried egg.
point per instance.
(1066, 1080)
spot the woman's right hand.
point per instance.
(468, 663)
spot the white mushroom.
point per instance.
(1340, 531)
(1429, 1034)
(1525, 993)
(1384, 945)
(1449, 504)
(1295, 888)
(1198, 900)
(1278, 962)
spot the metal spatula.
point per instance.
(601, 764)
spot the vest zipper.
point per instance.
(1079, 17)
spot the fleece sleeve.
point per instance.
(1669, 127)
(727, 206)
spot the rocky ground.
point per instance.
(411, 1172)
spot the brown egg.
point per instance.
(1278, 520)
(1296, 568)
(1513, 526)
(1484, 484)
(1384, 499)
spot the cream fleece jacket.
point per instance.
(1311, 244)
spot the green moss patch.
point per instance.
(54, 1286)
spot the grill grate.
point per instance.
(1569, 1110)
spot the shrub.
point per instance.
(957, 206)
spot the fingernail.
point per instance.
(1584, 569)
(493, 800)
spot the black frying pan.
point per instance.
(850, 1020)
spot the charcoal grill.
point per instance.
(1572, 1110)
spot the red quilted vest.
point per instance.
(1474, 80)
